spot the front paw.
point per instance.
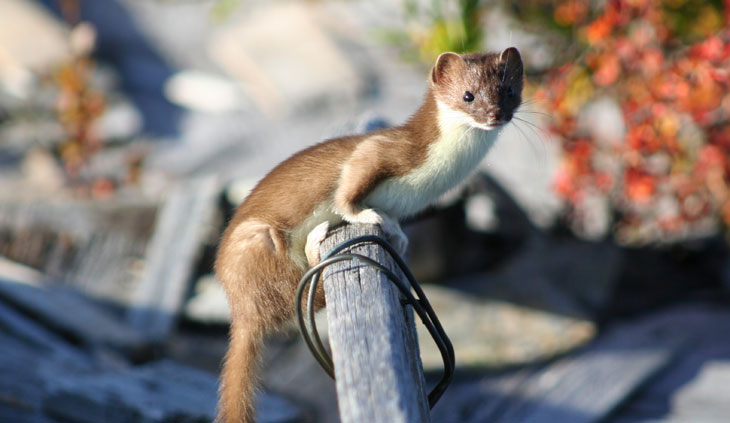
(390, 227)
(368, 217)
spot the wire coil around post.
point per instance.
(419, 303)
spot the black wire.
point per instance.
(419, 303)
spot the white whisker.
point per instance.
(535, 128)
(539, 158)
(533, 112)
(539, 132)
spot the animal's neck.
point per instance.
(455, 150)
(459, 140)
(423, 128)
(436, 123)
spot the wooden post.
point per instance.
(374, 345)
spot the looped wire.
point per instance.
(419, 302)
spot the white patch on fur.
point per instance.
(367, 216)
(298, 235)
(462, 145)
(314, 240)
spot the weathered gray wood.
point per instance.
(39, 385)
(583, 387)
(182, 225)
(587, 386)
(480, 400)
(26, 370)
(157, 392)
(68, 312)
(139, 254)
(372, 336)
(705, 398)
(672, 395)
(25, 329)
(21, 387)
(152, 393)
(94, 246)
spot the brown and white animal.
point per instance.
(377, 177)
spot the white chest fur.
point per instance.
(449, 160)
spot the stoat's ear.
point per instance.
(447, 63)
(511, 60)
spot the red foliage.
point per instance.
(675, 104)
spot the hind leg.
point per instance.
(260, 281)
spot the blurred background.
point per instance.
(582, 273)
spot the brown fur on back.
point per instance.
(307, 178)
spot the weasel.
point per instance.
(376, 178)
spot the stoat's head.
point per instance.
(487, 88)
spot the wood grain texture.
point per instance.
(91, 245)
(182, 225)
(583, 387)
(66, 311)
(58, 368)
(589, 386)
(375, 352)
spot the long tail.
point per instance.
(238, 377)
(260, 280)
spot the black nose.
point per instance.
(502, 116)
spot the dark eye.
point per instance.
(510, 92)
(468, 97)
